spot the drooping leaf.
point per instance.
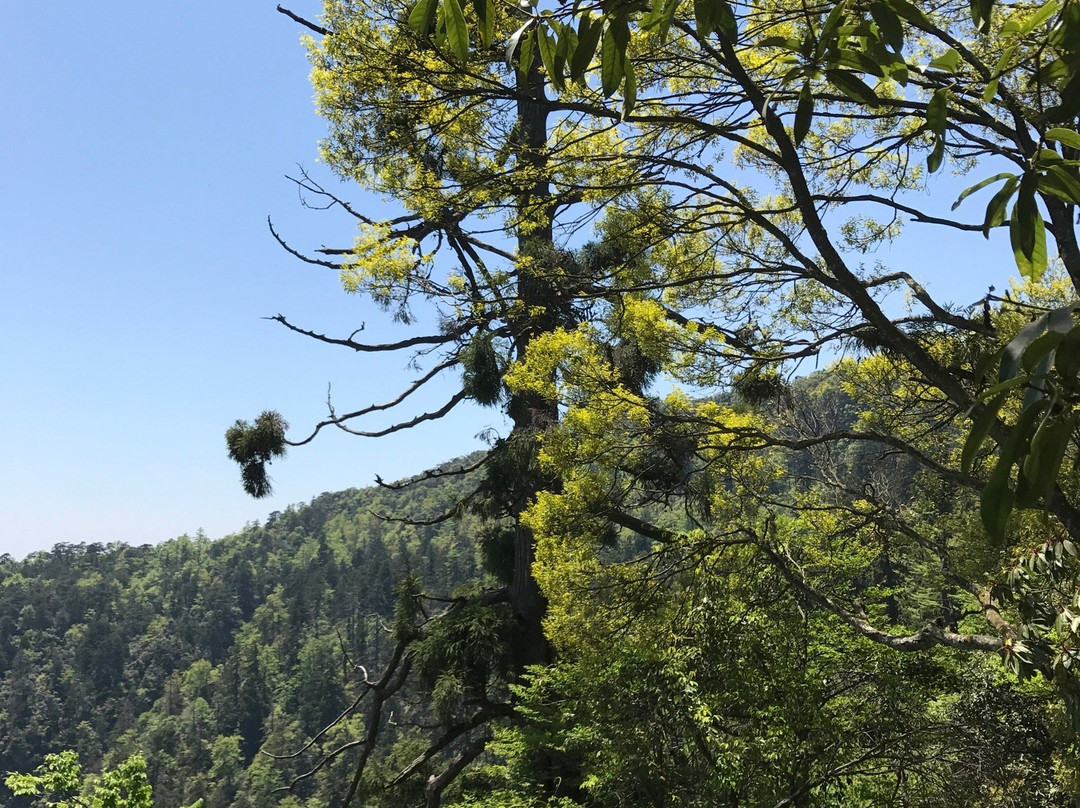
(422, 16)
(1067, 137)
(547, 47)
(980, 428)
(948, 62)
(892, 30)
(937, 111)
(998, 498)
(485, 18)
(804, 113)
(995, 210)
(629, 89)
(457, 30)
(979, 186)
(589, 31)
(612, 63)
(514, 42)
(937, 155)
(1040, 347)
(564, 48)
(1014, 351)
(1027, 231)
(981, 11)
(852, 86)
(996, 503)
(525, 53)
(999, 70)
(1060, 182)
(1043, 461)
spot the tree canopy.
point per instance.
(631, 226)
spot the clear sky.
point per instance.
(144, 145)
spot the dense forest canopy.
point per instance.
(195, 654)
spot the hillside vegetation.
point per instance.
(700, 679)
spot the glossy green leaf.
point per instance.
(857, 60)
(1060, 182)
(995, 210)
(525, 53)
(980, 428)
(804, 113)
(485, 19)
(892, 30)
(1043, 461)
(1067, 137)
(998, 498)
(547, 47)
(1040, 347)
(948, 62)
(565, 44)
(990, 91)
(1012, 383)
(612, 68)
(589, 31)
(910, 12)
(828, 29)
(852, 86)
(422, 16)
(1027, 232)
(979, 186)
(1047, 11)
(514, 43)
(1014, 351)
(457, 30)
(996, 503)
(937, 155)
(937, 111)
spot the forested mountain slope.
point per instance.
(198, 652)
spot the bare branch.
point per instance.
(434, 474)
(360, 347)
(455, 399)
(318, 29)
(294, 252)
(931, 635)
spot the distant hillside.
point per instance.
(197, 652)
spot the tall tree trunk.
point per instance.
(531, 413)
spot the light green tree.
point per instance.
(59, 782)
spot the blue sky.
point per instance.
(145, 144)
